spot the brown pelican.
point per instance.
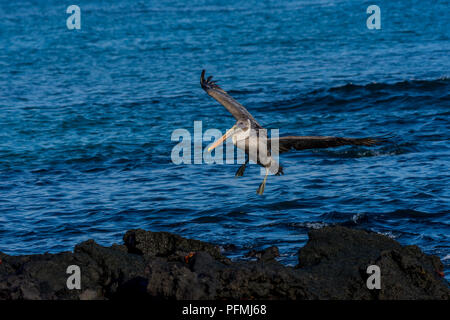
(248, 134)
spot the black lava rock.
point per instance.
(332, 265)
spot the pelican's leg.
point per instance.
(241, 170)
(260, 190)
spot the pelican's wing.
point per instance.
(309, 142)
(235, 108)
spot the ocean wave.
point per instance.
(414, 84)
(362, 96)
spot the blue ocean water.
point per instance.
(86, 118)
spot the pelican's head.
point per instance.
(240, 131)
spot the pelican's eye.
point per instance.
(243, 126)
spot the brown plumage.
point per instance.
(235, 108)
(285, 144)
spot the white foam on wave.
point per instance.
(388, 234)
(357, 217)
(315, 225)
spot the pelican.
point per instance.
(247, 134)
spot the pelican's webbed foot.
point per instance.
(260, 190)
(241, 170)
(261, 187)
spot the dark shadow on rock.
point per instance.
(133, 289)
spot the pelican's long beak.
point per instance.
(222, 139)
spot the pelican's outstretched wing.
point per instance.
(309, 142)
(235, 108)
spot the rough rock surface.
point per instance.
(160, 265)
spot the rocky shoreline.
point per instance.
(161, 265)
